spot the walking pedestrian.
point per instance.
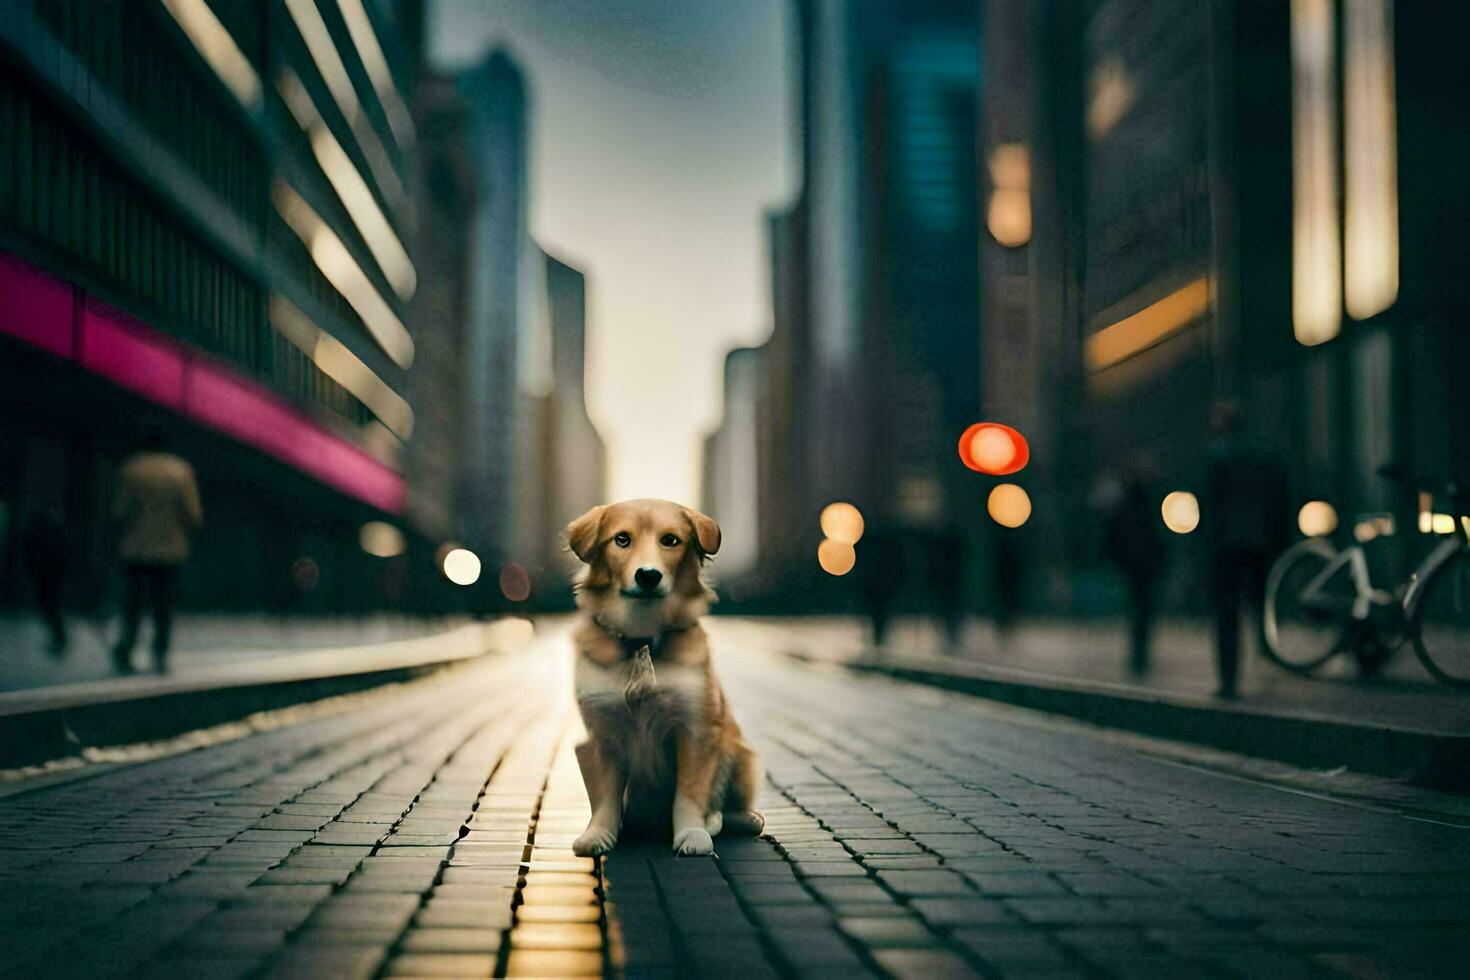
(947, 561)
(44, 549)
(1135, 544)
(1246, 522)
(157, 510)
(1006, 563)
(880, 576)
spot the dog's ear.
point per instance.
(706, 531)
(582, 534)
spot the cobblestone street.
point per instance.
(424, 830)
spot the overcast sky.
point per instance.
(661, 132)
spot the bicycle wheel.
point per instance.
(1299, 637)
(1441, 624)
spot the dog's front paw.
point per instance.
(595, 840)
(693, 840)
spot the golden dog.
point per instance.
(662, 749)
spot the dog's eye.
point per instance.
(669, 541)
(622, 539)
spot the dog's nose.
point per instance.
(648, 578)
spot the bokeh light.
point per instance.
(991, 449)
(1009, 505)
(515, 583)
(462, 567)
(1443, 524)
(381, 540)
(1317, 519)
(305, 574)
(994, 449)
(836, 557)
(1009, 214)
(1180, 512)
(842, 522)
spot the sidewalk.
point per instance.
(1400, 723)
(200, 640)
(215, 680)
(1183, 664)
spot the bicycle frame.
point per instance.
(1313, 594)
(1442, 553)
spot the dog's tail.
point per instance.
(642, 683)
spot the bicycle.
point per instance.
(1321, 601)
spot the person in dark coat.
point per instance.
(947, 560)
(1006, 566)
(880, 576)
(1246, 520)
(1135, 543)
(44, 549)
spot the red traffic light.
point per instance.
(994, 449)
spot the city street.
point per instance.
(423, 829)
(1058, 397)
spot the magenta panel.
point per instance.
(35, 307)
(38, 309)
(132, 355)
(230, 404)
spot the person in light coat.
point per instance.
(157, 511)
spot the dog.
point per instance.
(663, 752)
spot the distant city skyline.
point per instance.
(660, 134)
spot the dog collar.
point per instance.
(630, 644)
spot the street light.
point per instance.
(1317, 519)
(1180, 511)
(462, 567)
(842, 522)
(1009, 505)
(381, 540)
(836, 557)
(994, 449)
(515, 583)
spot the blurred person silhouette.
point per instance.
(880, 575)
(1006, 564)
(947, 559)
(44, 550)
(157, 511)
(1246, 522)
(1135, 544)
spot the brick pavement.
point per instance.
(910, 833)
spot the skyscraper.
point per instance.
(889, 232)
(579, 475)
(504, 330)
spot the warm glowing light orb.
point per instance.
(1009, 214)
(1444, 524)
(842, 522)
(1317, 519)
(462, 567)
(1009, 217)
(836, 557)
(381, 540)
(515, 583)
(1180, 511)
(1009, 505)
(994, 449)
